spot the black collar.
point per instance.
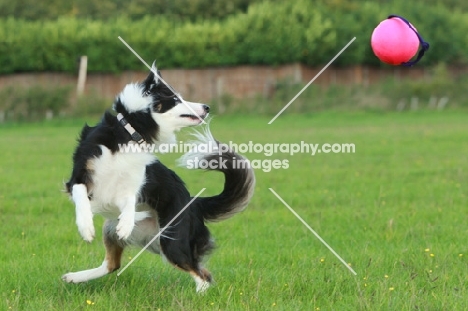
(133, 133)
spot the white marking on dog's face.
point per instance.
(133, 99)
(180, 116)
(183, 114)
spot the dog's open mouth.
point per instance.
(192, 117)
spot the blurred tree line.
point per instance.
(50, 35)
(184, 9)
(134, 9)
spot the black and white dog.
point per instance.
(137, 194)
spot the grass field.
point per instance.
(396, 210)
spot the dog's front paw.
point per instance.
(139, 216)
(87, 233)
(86, 227)
(125, 226)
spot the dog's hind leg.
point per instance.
(202, 279)
(182, 256)
(84, 214)
(114, 251)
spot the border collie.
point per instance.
(137, 194)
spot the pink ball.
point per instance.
(393, 42)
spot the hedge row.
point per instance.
(269, 33)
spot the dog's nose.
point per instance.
(206, 108)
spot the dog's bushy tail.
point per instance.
(239, 178)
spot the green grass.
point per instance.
(396, 210)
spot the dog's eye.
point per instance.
(177, 100)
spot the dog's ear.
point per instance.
(152, 80)
(156, 73)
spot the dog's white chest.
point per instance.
(115, 176)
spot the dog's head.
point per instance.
(168, 106)
(168, 109)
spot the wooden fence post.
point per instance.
(82, 75)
